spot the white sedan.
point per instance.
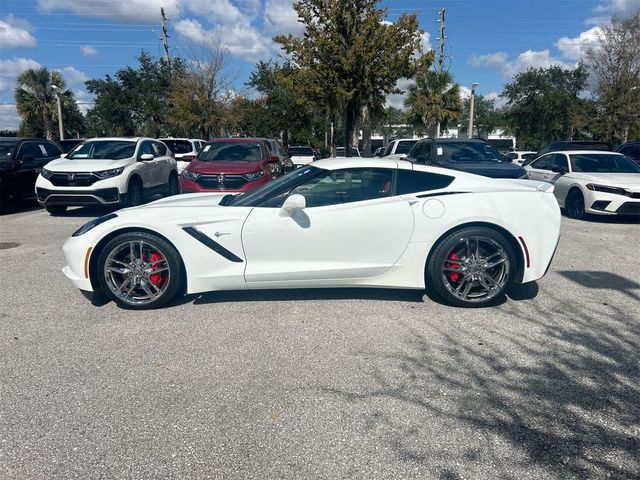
(602, 183)
(336, 223)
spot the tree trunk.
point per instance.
(350, 114)
(366, 131)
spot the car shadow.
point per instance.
(603, 280)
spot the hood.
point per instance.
(490, 169)
(220, 166)
(188, 200)
(81, 165)
(629, 181)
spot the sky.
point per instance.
(487, 41)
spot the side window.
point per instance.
(345, 186)
(52, 150)
(412, 181)
(146, 148)
(560, 160)
(29, 148)
(512, 155)
(159, 150)
(543, 163)
(421, 149)
(405, 147)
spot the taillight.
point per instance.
(188, 158)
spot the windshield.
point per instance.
(231, 152)
(68, 145)
(340, 152)
(452, 152)
(602, 163)
(178, 146)
(301, 152)
(280, 185)
(103, 150)
(6, 150)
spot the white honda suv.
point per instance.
(108, 171)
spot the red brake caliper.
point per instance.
(453, 276)
(156, 278)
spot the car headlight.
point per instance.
(114, 172)
(254, 175)
(46, 173)
(92, 224)
(606, 189)
(190, 175)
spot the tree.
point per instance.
(350, 57)
(615, 62)
(485, 114)
(433, 99)
(37, 106)
(539, 101)
(391, 122)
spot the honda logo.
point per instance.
(71, 176)
(221, 178)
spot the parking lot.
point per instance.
(322, 383)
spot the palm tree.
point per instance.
(434, 99)
(36, 101)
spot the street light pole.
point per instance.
(473, 98)
(56, 89)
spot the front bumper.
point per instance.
(102, 192)
(602, 203)
(77, 253)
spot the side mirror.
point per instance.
(559, 170)
(273, 159)
(293, 204)
(145, 157)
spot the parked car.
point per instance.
(467, 155)
(183, 149)
(69, 144)
(631, 150)
(379, 152)
(602, 183)
(571, 145)
(521, 156)
(21, 160)
(108, 171)
(284, 164)
(336, 223)
(399, 148)
(341, 152)
(301, 156)
(229, 165)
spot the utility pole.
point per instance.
(165, 36)
(471, 105)
(56, 91)
(441, 40)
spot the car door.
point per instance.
(147, 169)
(163, 162)
(540, 169)
(29, 160)
(560, 180)
(351, 228)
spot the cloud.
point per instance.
(618, 7)
(425, 41)
(130, 11)
(397, 99)
(280, 17)
(15, 33)
(88, 51)
(530, 59)
(73, 76)
(242, 41)
(9, 118)
(575, 48)
(13, 67)
(222, 11)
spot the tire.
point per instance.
(56, 209)
(8, 199)
(174, 186)
(574, 205)
(139, 282)
(472, 267)
(135, 194)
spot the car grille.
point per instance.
(632, 208)
(73, 179)
(75, 197)
(222, 182)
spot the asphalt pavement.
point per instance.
(322, 383)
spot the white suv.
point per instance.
(184, 149)
(108, 171)
(399, 149)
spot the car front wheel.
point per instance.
(574, 205)
(139, 270)
(472, 267)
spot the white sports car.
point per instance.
(335, 223)
(602, 183)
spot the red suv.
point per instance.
(228, 165)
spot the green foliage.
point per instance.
(539, 101)
(37, 106)
(486, 117)
(349, 56)
(391, 122)
(433, 98)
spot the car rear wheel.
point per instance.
(139, 270)
(472, 267)
(56, 209)
(8, 198)
(574, 205)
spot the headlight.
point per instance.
(606, 189)
(93, 223)
(46, 173)
(190, 175)
(114, 172)
(254, 175)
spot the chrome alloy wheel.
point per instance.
(476, 269)
(137, 272)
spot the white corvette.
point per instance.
(335, 223)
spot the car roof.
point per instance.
(162, 139)
(237, 140)
(131, 139)
(21, 139)
(582, 152)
